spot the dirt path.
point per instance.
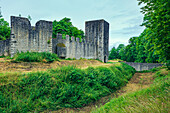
(138, 82)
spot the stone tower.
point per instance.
(25, 37)
(97, 32)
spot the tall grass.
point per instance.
(155, 99)
(35, 57)
(60, 88)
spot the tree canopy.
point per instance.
(157, 19)
(4, 29)
(139, 49)
(65, 27)
(153, 44)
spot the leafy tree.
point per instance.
(150, 52)
(118, 50)
(122, 53)
(4, 29)
(131, 50)
(157, 19)
(140, 48)
(65, 27)
(113, 54)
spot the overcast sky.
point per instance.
(123, 16)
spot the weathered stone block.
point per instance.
(25, 37)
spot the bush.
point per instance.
(2, 56)
(57, 88)
(70, 59)
(35, 57)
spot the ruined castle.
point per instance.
(25, 37)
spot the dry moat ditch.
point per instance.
(137, 82)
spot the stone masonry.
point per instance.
(143, 66)
(25, 37)
(94, 46)
(4, 47)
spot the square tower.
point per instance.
(97, 32)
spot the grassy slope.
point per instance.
(61, 87)
(154, 99)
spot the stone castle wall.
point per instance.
(143, 66)
(69, 47)
(25, 37)
(95, 45)
(5, 47)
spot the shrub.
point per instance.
(2, 56)
(57, 88)
(35, 57)
(70, 59)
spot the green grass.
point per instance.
(65, 87)
(35, 57)
(155, 99)
(2, 56)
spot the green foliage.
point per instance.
(157, 19)
(168, 64)
(29, 17)
(4, 29)
(113, 54)
(48, 42)
(65, 27)
(8, 57)
(119, 48)
(139, 49)
(74, 58)
(154, 42)
(60, 88)
(2, 56)
(70, 59)
(35, 57)
(154, 99)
